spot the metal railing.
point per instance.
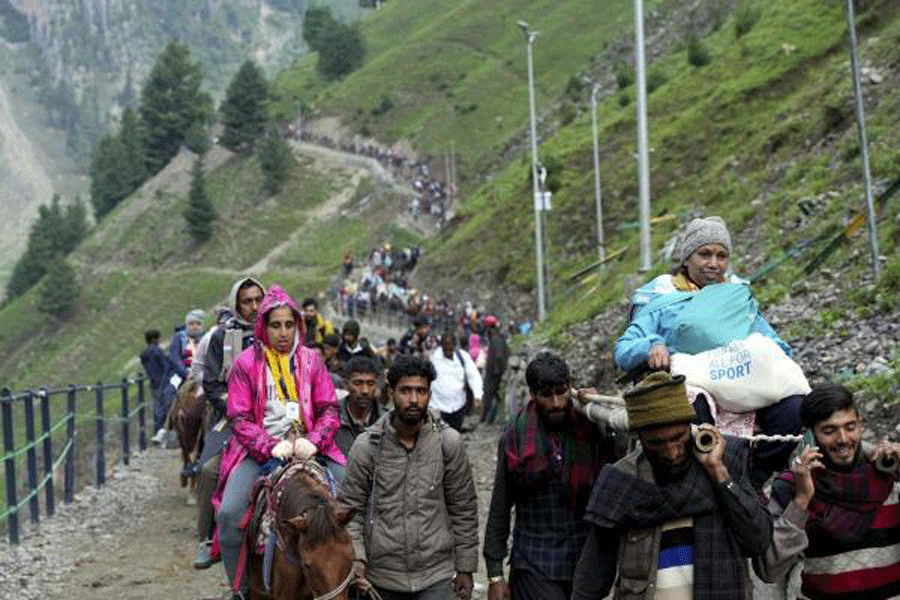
(74, 396)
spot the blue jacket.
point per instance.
(655, 326)
(156, 365)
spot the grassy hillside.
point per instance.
(437, 71)
(768, 123)
(139, 269)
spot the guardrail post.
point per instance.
(31, 459)
(10, 465)
(48, 452)
(142, 425)
(69, 478)
(101, 434)
(126, 424)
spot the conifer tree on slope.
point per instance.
(59, 291)
(199, 213)
(275, 160)
(171, 101)
(244, 115)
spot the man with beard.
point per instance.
(670, 521)
(225, 344)
(547, 461)
(359, 409)
(410, 486)
(836, 511)
(317, 326)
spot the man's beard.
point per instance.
(556, 420)
(411, 416)
(665, 472)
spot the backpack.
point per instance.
(717, 314)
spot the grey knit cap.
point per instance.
(195, 315)
(699, 232)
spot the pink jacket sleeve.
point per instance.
(326, 410)
(250, 434)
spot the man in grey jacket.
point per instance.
(415, 529)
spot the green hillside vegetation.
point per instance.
(436, 72)
(770, 119)
(140, 269)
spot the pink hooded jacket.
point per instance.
(247, 398)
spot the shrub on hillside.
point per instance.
(343, 51)
(697, 54)
(624, 75)
(574, 87)
(745, 17)
(656, 80)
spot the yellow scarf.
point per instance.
(280, 365)
(683, 284)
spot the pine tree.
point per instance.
(316, 19)
(131, 135)
(244, 115)
(171, 101)
(275, 160)
(59, 291)
(199, 213)
(110, 176)
(75, 225)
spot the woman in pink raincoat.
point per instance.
(276, 386)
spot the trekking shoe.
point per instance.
(160, 437)
(204, 559)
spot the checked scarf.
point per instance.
(625, 497)
(533, 455)
(845, 502)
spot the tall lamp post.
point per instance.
(530, 36)
(863, 141)
(601, 250)
(643, 153)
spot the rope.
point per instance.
(30, 445)
(41, 485)
(338, 590)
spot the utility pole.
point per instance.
(643, 153)
(863, 140)
(453, 166)
(530, 36)
(601, 250)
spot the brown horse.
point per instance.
(187, 416)
(313, 553)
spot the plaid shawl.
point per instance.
(623, 499)
(531, 455)
(845, 502)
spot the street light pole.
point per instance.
(863, 139)
(530, 36)
(643, 153)
(601, 250)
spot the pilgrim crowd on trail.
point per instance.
(431, 195)
(328, 467)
